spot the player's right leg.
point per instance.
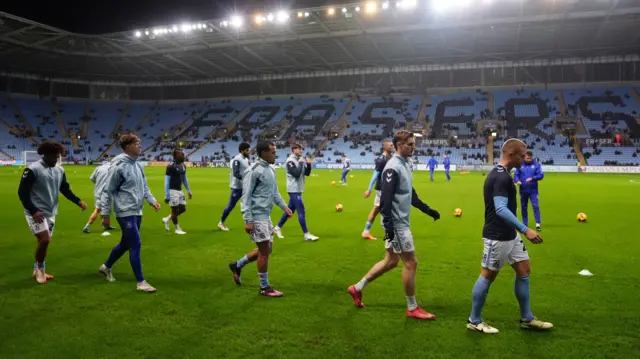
(43, 232)
(372, 217)
(236, 267)
(524, 204)
(92, 218)
(389, 262)
(234, 197)
(283, 219)
(404, 246)
(493, 259)
(263, 236)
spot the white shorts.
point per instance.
(46, 225)
(176, 198)
(97, 201)
(497, 252)
(376, 201)
(402, 241)
(262, 231)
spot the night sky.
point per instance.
(103, 16)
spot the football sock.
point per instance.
(521, 289)
(411, 302)
(361, 284)
(86, 226)
(242, 261)
(136, 264)
(479, 295)
(367, 227)
(264, 279)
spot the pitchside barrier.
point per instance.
(370, 166)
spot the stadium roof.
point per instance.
(321, 39)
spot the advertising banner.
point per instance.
(609, 169)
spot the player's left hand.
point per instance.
(82, 205)
(190, 195)
(433, 214)
(288, 211)
(156, 206)
(529, 179)
(308, 161)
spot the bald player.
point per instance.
(502, 243)
(380, 162)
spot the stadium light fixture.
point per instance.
(306, 14)
(236, 21)
(282, 16)
(138, 34)
(270, 17)
(186, 28)
(146, 32)
(344, 9)
(371, 7)
(300, 14)
(259, 19)
(385, 5)
(331, 11)
(175, 28)
(357, 9)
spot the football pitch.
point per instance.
(198, 311)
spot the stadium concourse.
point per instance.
(602, 121)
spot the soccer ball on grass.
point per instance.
(338, 207)
(581, 217)
(457, 212)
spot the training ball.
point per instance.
(581, 217)
(351, 176)
(333, 183)
(338, 208)
(457, 212)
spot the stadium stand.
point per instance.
(331, 126)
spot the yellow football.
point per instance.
(338, 207)
(333, 183)
(581, 217)
(457, 212)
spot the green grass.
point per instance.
(198, 312)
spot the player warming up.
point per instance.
(127, 187)
(527, 178)
(432, 164)
(380, 162)
(346, 167)
(98, 177)
(175, 177)
(239, 164)
(39, 188)
(502, 243)
(259, 193)
(297, 170)
(447, 165)
(398, 195)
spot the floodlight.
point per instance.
(138, 34)
(146, 32)
(270, 17)
(357, 8)
(344, 9)
(175, 28)
(331, 11)
(282, 16)
(371, 7)
(385, 5)
(300, 14)
(306, 14)
(236, 21)
(156, 31)
(185, 28)
(259, 19)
